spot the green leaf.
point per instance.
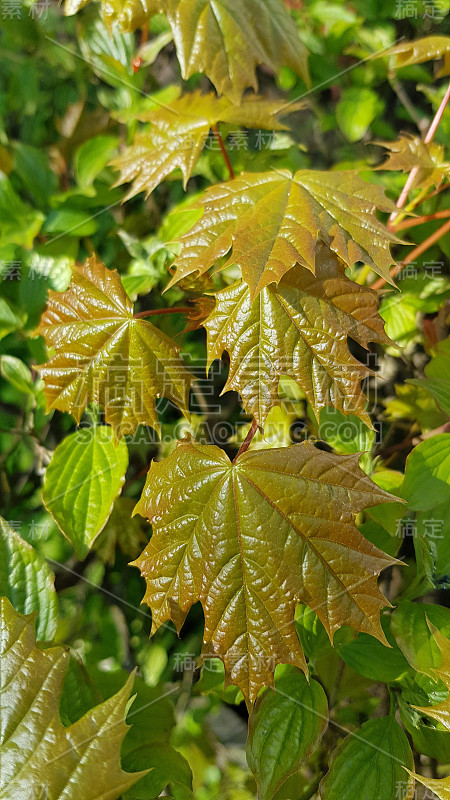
(167, 767)
(37, 753)
(285, 727)
(370, 658)
(356, 110)
(412, 633)
(369, 764)
(19, 223)
(92, 157)
(17, 373)
(83, 479)
(71, 221)
(420, 50)
(437, 381)
(427, 474)
(27, 581)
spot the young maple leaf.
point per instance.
(251, 539)
(103, 354)
(298, 328)
(411, 152)
(267, 222)
(420, 50)
(224, 39)
(179, 131)
(37, 752)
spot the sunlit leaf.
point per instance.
(298, 328)
(439, 786)
(411, 152)
(420, 50)
(272, 220)
(251, 539)
(83, 479)
(224, 39)
(27, 581)
(427, 475)
(179, 131)
(104, 355)
(37, 752)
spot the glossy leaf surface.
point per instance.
(27, 581)
(179, 131)
(285, 727)
(82, 481)
(298, 328)
(420, 50)
(272, 220)
(370, 763)
(36, 751)
(103, 355)
(251, 539)
(411, 152)
(225, 39)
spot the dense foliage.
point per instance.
(224, 400)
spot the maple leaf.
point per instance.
(227, 39)
(420, 50)
(440, 787)
(410, 152)
(224, 39)
(37, 752)
(272, 220)
(179, 131)
(104, 355)
(299, 329)
(252, 538)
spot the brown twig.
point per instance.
(226, 157)
(247, 441)
(421, 248)
(411, 223)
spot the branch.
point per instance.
(226, 157)
(247, 441)
(412, 175)
(411, 223)
(421, 248)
